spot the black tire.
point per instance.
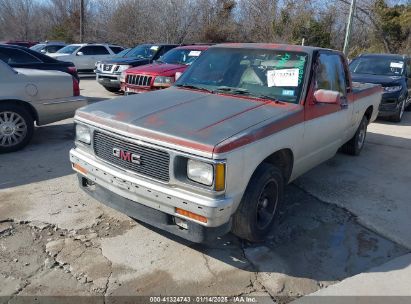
(259, 206)
(408, 108)
(8, 129)
(355, 145)
(398, 116)
(112, 90)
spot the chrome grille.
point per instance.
(107, 67)
(139, 80)
(154, 163)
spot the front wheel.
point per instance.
(16, 128)
(397, 117)
(112, 90)
(259, 206)
(354, 145)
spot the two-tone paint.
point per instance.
(240, 131)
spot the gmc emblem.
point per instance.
(127, 156)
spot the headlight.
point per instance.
(122, 68)
(200, 172)
(83, 134)
(163, 81)
(392, 89)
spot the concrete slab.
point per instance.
(375, 186)
(390, 282)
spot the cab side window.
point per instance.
(330, 74)
(94, 50)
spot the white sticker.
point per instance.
(194, 53)
(398, 65)
(283, 78)
(154, 47)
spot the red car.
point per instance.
(162, 73)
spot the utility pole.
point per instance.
(349, 27)
(81, 21)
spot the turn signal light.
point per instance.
(191, 215)
(79, 168)
(220, 177)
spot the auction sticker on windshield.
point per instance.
(398, 65)
(194, 53)
(283, 78)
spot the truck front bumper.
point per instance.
(151, 203)
(108, 80)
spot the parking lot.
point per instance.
(342, 218)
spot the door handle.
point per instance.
(344, 103)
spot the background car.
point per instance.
(85, 56)
(393, 72)
(26, 44)
(48, 47)
(28, 96)
(21, 57)
(163, 72)
(109, 71)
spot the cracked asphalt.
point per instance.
(57, 241)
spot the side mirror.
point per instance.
(43, 51)
(327, 96)
(80, 54)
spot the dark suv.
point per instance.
(108, 72)
(21, 57)
(393, 72)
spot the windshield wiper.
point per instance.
(190, 86)
(232, 90)
(241, 91)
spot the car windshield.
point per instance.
(123, 53)
(377, 66)
(180, 56)
(143, 52)
(69, 49)
(258, 73)
(38, 47)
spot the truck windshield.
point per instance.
(377, 66)
(69, 49)
(259, 73)
(180, 56)
(143, 52)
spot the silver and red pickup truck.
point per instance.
(214, 152)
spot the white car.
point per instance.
(85, 56)
(28, 96)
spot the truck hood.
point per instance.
(126, 61)
(191, 120)
(377, 79)
(157, 68)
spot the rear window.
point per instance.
(16, 56)
(116, 49)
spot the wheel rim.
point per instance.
(267, 204)
(402, 109)
(13, 129)
(361, 135)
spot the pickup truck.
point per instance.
(162, 73)
(29, 96)
(213, 153)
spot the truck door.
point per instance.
(326, 125)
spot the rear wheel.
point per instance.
(259, 206)
(16, 128)
(354, 145)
